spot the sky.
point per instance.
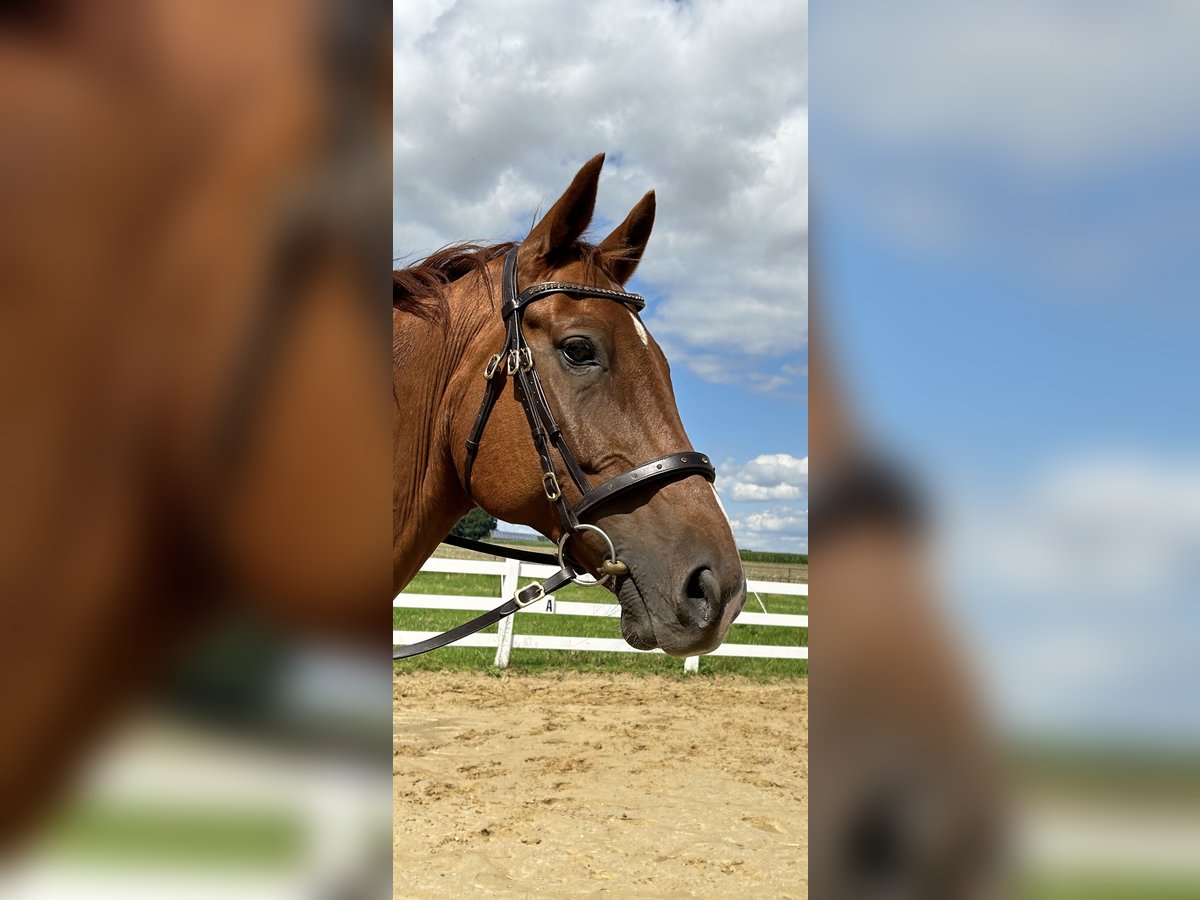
(496, 106)
(1009, 211)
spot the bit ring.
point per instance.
(562, 548)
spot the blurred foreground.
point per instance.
(1004, 254)
(263, 782)
(196, 435)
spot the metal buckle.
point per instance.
(492, 366)
(526, 359)
(551, 487)
(538, 593)
(514, 362)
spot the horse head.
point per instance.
(606, 385)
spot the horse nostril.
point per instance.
(874, 843)
(911, 835)
(701, 601)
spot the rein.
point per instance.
(515, 361)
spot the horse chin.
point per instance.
(636, 625)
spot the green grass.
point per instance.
(173, 837)
(769, 556)
(1115, 772)
(481, 658)
(1108, 886)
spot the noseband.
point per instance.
(515, 361)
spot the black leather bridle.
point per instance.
(515, 361)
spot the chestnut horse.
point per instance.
(608, 386)
(193, 382)
(906, 792)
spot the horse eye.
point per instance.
(579, 352)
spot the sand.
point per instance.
(617, 785)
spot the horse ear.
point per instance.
(622, 250)
(567, 218)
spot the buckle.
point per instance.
(529, 595)
(492, 366)
(550, 486)
(519, 358)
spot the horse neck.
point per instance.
(432, 365)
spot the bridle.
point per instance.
(515, 361)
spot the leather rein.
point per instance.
(515, 361)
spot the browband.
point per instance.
(545, 288)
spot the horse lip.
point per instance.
(630, 619)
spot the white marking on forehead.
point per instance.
(640, 328)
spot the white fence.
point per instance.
(512, 572)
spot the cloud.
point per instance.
(773, 476)
(1048, 86)
(782, 528)
(1078, 584)
(1092, 532)
(779, 519)
(782, 379)
(760, 492)
(1046, 143)
(779, 479)
(496, 106)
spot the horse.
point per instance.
(602, 399)
(195, 397)
(906, 792)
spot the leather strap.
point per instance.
(527, 595)
(529, 556)
(490, 394)
(864, 488)
(673, 467)
(537, 291)
(527, 386)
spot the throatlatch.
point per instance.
(515, 361)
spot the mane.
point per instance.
(420, 289)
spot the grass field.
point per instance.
(480, 658)
(1108, 886)
(166, 836)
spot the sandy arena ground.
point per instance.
(577, 785)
